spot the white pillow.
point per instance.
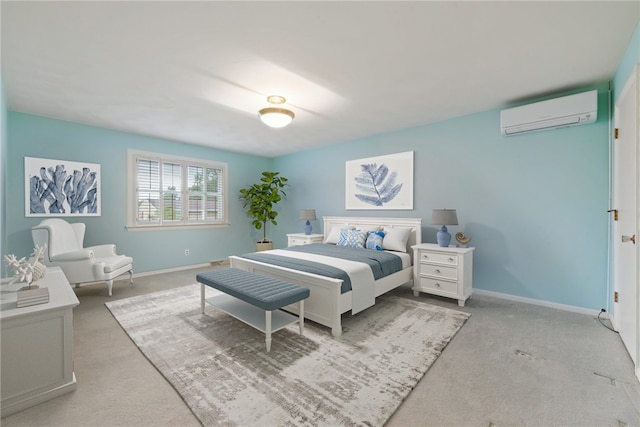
(333, 237)
(396, 239)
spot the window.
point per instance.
(167, 191)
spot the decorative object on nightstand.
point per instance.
(27, 271)
(447, 272)
(296, 239)
(307, 215)
(444, 217)
(463, 240)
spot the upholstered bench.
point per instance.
(256, 300)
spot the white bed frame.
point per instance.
(326, 304)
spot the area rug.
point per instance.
(223, 372)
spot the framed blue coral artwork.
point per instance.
(55, 188)
(383, 182)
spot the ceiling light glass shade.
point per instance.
(276, 117)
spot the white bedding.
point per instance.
(362, 282)
(405, 257)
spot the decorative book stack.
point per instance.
(27, 297)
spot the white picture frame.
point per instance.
(61, 188)
(382, 182)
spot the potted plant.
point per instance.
(260, 200)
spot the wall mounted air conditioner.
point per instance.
(572, 110)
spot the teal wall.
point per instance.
(535, 205)
(34, 136)
(3, 175)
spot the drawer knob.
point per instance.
(437, 271)
(451, 260)
(437, 285)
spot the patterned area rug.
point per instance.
(221, 368)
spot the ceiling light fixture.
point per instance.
(276, 117)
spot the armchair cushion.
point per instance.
(114, 263)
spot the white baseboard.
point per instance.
(542, 303)
(151, 273)
(184, 267)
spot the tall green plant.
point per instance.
(261, 198)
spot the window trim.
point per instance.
(132, 224)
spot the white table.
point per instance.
(37, 344)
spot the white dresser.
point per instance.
(303, 239)
(447, 272)
(37, 345)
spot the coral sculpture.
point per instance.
(27, 271)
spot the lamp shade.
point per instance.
(444, 217)
(308, 214)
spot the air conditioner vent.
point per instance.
(572, 110)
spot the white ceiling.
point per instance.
(198, 72)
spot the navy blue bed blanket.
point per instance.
(381, 263)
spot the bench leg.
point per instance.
(301, 315)
(267, 328)
(201, 298)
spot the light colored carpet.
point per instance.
(221, 368)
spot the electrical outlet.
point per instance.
(615, 296)
(186, 252)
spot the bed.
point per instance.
(328, 300)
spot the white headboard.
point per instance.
(372, 223)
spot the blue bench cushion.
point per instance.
(260, 291)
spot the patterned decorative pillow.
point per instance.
(352, 238)
(374, 240)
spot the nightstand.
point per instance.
(296, 239)
(447, 272)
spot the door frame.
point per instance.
(634, 75)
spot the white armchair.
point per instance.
(81, 265)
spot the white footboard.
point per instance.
(323, 305)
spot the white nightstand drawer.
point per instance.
(448, 259)
(295, 239)
(450, 273)
(295, 242)
(427, 284)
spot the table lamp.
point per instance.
(444, 217)
(307, 214)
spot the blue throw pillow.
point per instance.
(374, 240)
(352, 238)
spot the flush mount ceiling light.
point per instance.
(276, 117)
